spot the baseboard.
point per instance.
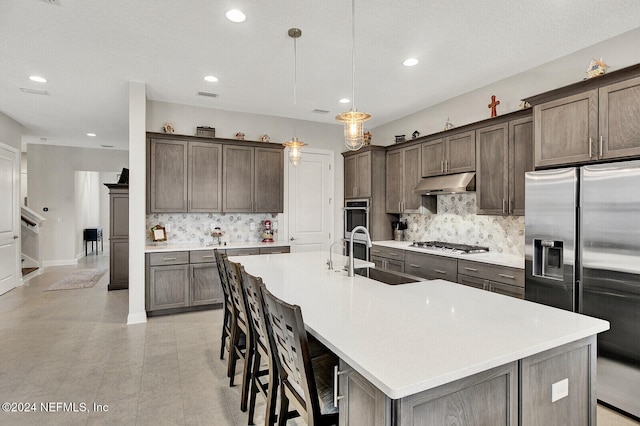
(61, 262)
(137, 318)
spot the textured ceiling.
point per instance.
(89, 50)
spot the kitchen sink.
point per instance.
(392, 277)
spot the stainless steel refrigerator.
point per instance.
(582, 253)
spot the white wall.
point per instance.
(618, 52)
(87, 203)
(52, 184)
(186, 118)
(10, 131)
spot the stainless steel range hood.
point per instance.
(447, 184)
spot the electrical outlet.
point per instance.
(559, 390)
(167, 227)
(252, 226)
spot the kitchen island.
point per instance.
(436, 352)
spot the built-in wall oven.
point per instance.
(356, 213)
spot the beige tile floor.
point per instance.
(73, 346)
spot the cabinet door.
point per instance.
(461, 153)
(350, 177)
(566, 130)
(363, 174)
(362, 404)
(410, 178)
(269, 180)
(205, 284)
(394, 182)
(433, 158)
(619, 120)
(205, 177)
(492, 178)
(119, 264)
(520, 161)
(119, 216)
(237, 183)
(168, 287)
(167, 189)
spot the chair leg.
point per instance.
(272, 396)
(246, 373)
(223, 339)
(233, 356)
(253, 390)
(284, 408)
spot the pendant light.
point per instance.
(294, 144)
(353, 119)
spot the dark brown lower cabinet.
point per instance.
(525, 392)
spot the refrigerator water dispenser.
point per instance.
(547, 259)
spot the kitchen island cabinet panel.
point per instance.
(362, 404)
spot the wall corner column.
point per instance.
(137, 197)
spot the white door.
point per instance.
(311, 201)
(9, 247)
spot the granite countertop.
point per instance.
(494, 258)
(412, 337)
(198, 246)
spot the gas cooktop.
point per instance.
(449, 247)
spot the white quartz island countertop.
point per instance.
(409, 338)
(492, 257)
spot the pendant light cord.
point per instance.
(353, 55)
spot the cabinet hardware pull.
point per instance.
(590, 143)
(394, 254)
(442, 166)
(440, 271)
(600, 152)
(336, 373)
(446, 166)
(503, 205)
(375, 251)
(208, 256)
(414, 266)
(399, 206)
(470, 269)
(511, 277)
(169, 258)
(510, 208)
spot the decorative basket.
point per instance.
(209, 132)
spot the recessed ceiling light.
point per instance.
(410, 62)
(37, 79)
(93, 135)
(211, 78)
(344, 101)
(234, 15)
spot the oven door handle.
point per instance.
(366, 209)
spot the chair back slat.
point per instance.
(251, 286)
(289, 338)
(235, 287)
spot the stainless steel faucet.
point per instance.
(330, 261)
(353, 233)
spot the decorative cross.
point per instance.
(493, 105)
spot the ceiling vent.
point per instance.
(208, 94)
(320, 111)
(56, 2)
(34, 91)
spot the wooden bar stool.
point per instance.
(228, 304)
(305, 383)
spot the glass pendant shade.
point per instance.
(294, 146)
(353, 128)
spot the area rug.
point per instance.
(83, 278)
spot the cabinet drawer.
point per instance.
(202, 256)
(430, 266)
(243, 251)
(473, 282)
(501, 274)
(168, 258)
(275, 250)
(387, 252)
(390, 264)
(507, 289)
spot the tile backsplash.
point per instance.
(457, 222)
(196, 227)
